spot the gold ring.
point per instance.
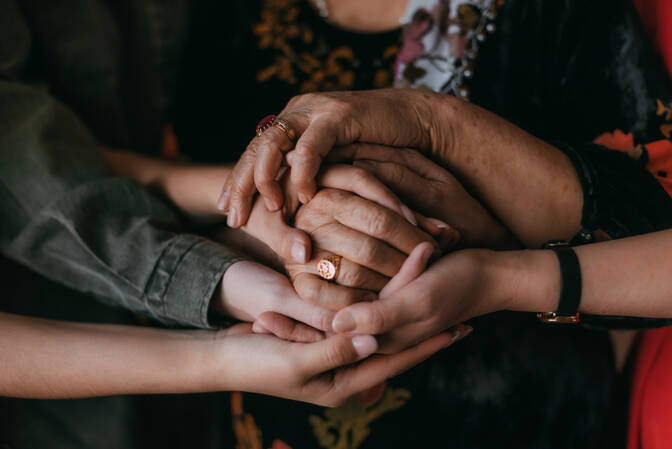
(328, 267)
(284, 126)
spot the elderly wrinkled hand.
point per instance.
(393, 117)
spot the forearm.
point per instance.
(67, 219)
(59, 360)
(626, 277)
(194, 189)
(531, 186)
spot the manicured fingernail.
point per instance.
(299, 252)
(259, 329)
(410, 216)
(365, 345)
(344, 322)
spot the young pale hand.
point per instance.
(249, 289)
(326, 372)
(456, 288)
(413, 267)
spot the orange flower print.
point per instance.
(277, 444)
(617, 140)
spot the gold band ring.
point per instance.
(328, 267)
(284, 126)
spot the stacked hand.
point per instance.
(326, 371)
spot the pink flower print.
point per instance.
(412, 48)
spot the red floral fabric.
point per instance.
(650, 425)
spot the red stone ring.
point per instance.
(270, 121)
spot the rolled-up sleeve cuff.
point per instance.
(186, 277)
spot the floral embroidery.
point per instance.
(248, 435)
(441, 41)
(304, 58)
(347, 427)
(656, 156)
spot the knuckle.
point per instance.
(341, 106)
(396, 173)
(353, 277)
(368, 252)
(380, 223)
(328, 197)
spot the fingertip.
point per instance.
(461, 332)
(259, 328)
(409, 215)
(289, 157)
(365, 345)
(223, 201)
(425, 251)
(343, 322)
(271, 204)
(449, 238)
(299, 251)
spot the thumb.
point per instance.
(335, 352)
(413, 267)
(285, 328)
(287, 242)
(386, 313)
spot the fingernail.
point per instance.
(370, 297)
(221, 204)
(439, 224)
(410, 216)
(344, 322)
(299, 252)
(449, 238)
(271, 205)
(461, 332)
(259, 329)
(365, 345)
(232, 219)
(303, 198)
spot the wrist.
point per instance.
(529, 280)
(443, 126)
